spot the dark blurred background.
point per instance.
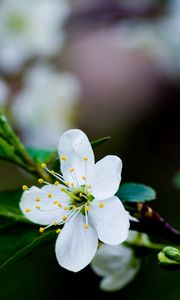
(116, 72)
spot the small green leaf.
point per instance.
(42, 155)
(100, 142)
(136, 192)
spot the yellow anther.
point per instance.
(38, 207)
(55, 223)
(24, 187)
(64, 218)
(52, 172)
(84, 177)
(72, 183)
(58, 231)
(101, 204)
(63, 157)
(74, 207)
(85, 158)
(56, 183)
(27, 209)
(63, 189)
(41, 229)
(87, 208)
(65, 207)
(59, 204)
(43, 165)
(89, 186)
(80, 194)
(67, 183)
(55, 202)
(38, 199)
(71, 169)
(86, 226)
(40, 180)
(49, 195)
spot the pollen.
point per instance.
(56, 183)
(71, 169)
(101, 204)
(55, 223)
(86, 226)
(38, 206)
(65, 207)
(58, 231)
(40, 180)
(84, 177)
(85, 158)
(27, 209)
(59, 204)
(41, 229)
(43, 165)
(89, 186)
(74, 207)
(24, 187)
(49, 195)
(37, 199)
(63, 189)
(63, 157)
(64, 218)
(80, 194)
(52, 172)
(67, 183)
(55, 202)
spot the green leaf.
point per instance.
(176, 180)
(136, 192)
(42, 155)
(20, 242)
(100, 142)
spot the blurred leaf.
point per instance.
(176, 180)
(136, 192)
(20, 242)
(100, 142)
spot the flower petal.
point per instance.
(110, 221)
(41, 205)
(117, 264)
(106, 177)
(76, 245)
(75, 152)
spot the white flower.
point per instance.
(30, 28)
(118, 265)
(3, 92)
(85, 204)
(43, 109)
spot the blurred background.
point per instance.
(111, 68)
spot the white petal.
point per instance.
(111, 221)
(106, 177)
(76, 245)
(111, 259)
(74, 146)
(48, 211)
(117, 264)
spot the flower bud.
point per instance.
(169, 258)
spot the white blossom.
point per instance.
(83, 202)
(30, 28)
(45, 107)
(118, 265)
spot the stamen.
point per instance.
(63, 157)
(65, 207)
(71, 169)
(55, 223)
(74, 207)
(58, 231)
(37, 199)
(64, 218)
(59, 204)
(55, 202)
(85, 158)
(49, 195)
(40, 180)
(86, 226)
(84, 177)
(56, 183)
(24, 187)
(38, 206)
(101, 204)
(87, 208)
(43, 165)
(27, 209)
(52, 172)
(41, 229)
